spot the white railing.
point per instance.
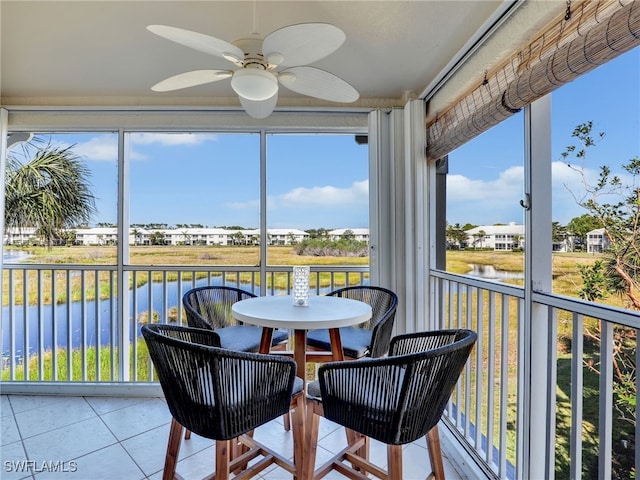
(67, 323)
(480, 409)
(586, 438)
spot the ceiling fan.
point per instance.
(262, 64)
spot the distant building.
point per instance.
(597, 241)
(166, 236)
(360, 234)
(496, 237)
(567, 244)
(286, 236)
(191, 236)
(19, 236)
(98, 236)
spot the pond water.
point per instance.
(489, 272)
(14, 256)
(50, 321)
(49, 324)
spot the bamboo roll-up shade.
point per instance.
(589, 34)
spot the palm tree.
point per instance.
(479, 237)
(238, 238)
(516, 240)
(49, 191)
(136, 235)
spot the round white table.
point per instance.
(323, 312)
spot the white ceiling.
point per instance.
(99, 52)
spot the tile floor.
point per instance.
(124, 438)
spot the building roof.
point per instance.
(356, 231)
(510, 229)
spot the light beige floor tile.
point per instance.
(56, 414)
(199, 465)
(8, 430)
(22, 403)
(156, 476)
(109, 463)
(275, 437)
(275, 473)
(149, 449)
(327, 427)
(322, 456)
(104, 405)
(70, 442)
(135, 419)
(143, 424)
(192, 446)
(5, 406)
(14, 466)
(334, 441)
(415, 462)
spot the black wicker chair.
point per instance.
(210, 307)
(224, 395)
(370, 339)
(395, 400)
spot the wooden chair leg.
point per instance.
(310, 442)
(362, 452)
(237, 448)
(266, 347)
(286, 418)
(394, 462)
(173, 450)
(187, 434)
(223, 453)
(298, 419)
(435, 453)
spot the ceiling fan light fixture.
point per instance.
(275, 58)
(254, 84)
(287, 77)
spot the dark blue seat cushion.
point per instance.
(355, 341)
(298, 385)
(313, 390)
(388, 385)
(246, 338)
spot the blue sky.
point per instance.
(485, 179)
(313, 181)
(318, 181)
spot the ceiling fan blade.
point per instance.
(259, 109)
(191, 79)
(303, 43)
(317, 83)
(198, 41)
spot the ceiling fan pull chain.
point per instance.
(255, 29)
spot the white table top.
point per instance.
(323, 312)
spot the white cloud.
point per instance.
(171, 139)
(313, 198)
(507, 185)
(486, 202)
(322, 197)
(105, 147)
(101, 148)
